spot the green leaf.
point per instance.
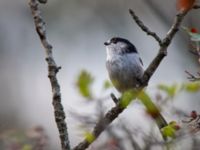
(174, 125)
(192, 86)
(171, 129)
(169, 90)
(107, 85)
(168, 131)
(148, 103)
(127, 97)
(89, 137)
(84, 83)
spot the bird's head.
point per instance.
(120, 46)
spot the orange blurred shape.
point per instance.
(185, 5)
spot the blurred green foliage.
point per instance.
(170, 130)
(172, 90)
(107, 84)
(89, 137)
(127, 97)
(192, 86)
(84, 82)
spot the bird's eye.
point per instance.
(114, 40)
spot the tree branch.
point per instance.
(114, 98)
(115, 111)
(163, 48)
(144, 28)
(52, 72)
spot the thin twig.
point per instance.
(114, 98)
(193, 50)
(52, 71)
(192, 77)
(144, 28)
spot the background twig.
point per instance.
(192, 77)
(144, 28)
(52, 71)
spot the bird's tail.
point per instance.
(152, 110)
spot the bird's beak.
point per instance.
(106, 43)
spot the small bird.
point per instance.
(124, 65)
(125, 69)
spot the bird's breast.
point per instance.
(124, 70)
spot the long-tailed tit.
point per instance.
(125, 69)
(124, 65)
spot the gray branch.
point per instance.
(52, 72)
(144, 28)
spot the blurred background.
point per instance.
(77, 30)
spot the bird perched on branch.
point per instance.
(125, 69)
(123, 63)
